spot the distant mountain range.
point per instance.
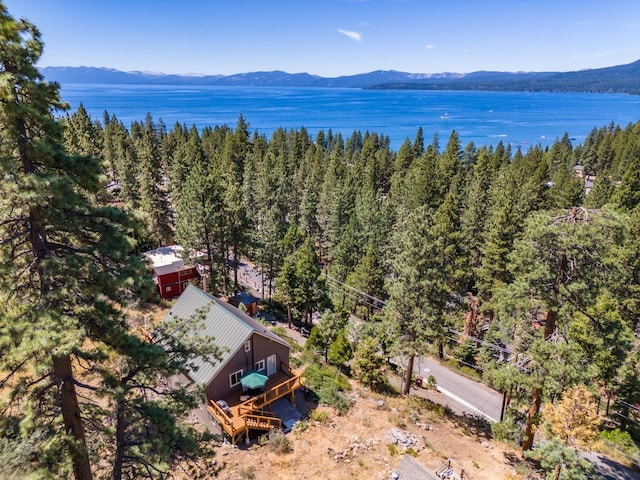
(618, 79)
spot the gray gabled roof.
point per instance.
(226, 324)
(411, 469)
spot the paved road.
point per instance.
(472, 397)
(609, 470)
(249, 276)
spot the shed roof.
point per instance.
(243, 298)
(225, 323)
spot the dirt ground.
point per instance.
(358, 445)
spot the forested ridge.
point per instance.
(615, 79)
(492, 256)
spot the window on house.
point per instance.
(259, 366)
(168, 289)
(234, 378)
(247, 346)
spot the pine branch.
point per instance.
(22, 253)
(85, 385)
(11, 373)
(40, 379)
(11, 239)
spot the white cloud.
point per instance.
(429, 47)
(352, 35)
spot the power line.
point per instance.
(359, 295)
(363, 297)
(355, 297)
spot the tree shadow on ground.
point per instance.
(474, 424)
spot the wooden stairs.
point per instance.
(265, 421)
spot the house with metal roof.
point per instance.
(249, 347)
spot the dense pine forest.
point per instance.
(489, 254)
(497, 258)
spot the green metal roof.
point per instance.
(230, 328)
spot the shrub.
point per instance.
(620, 445)
(522, 469)
(282, 333)
(368, 364)
(278, 442)
(319, 416)
(309, 356)
(247, 473)
(329, 384)
(299, 427)
(620, 439)
(295, 362)
(417, 405)
(507, 432)
(335, 398)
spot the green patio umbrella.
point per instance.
(253, 379)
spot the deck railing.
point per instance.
(225, 421)
(249, 410)
(250, 414)
(450, 470)
(274, 393)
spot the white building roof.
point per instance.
(166, 259)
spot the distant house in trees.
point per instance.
(249, 348)
(588, 179)
(170, 274)
(249, 301)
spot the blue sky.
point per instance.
(335, 37)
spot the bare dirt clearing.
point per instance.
(360, 445)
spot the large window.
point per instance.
(234, 378)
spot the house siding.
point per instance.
(261, 348)
(172, 284)
(219, 386)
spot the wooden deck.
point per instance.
(254, 414)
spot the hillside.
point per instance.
(360, 445)
(617, 79)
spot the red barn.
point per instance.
(170, 273)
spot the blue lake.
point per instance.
(484, 118)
